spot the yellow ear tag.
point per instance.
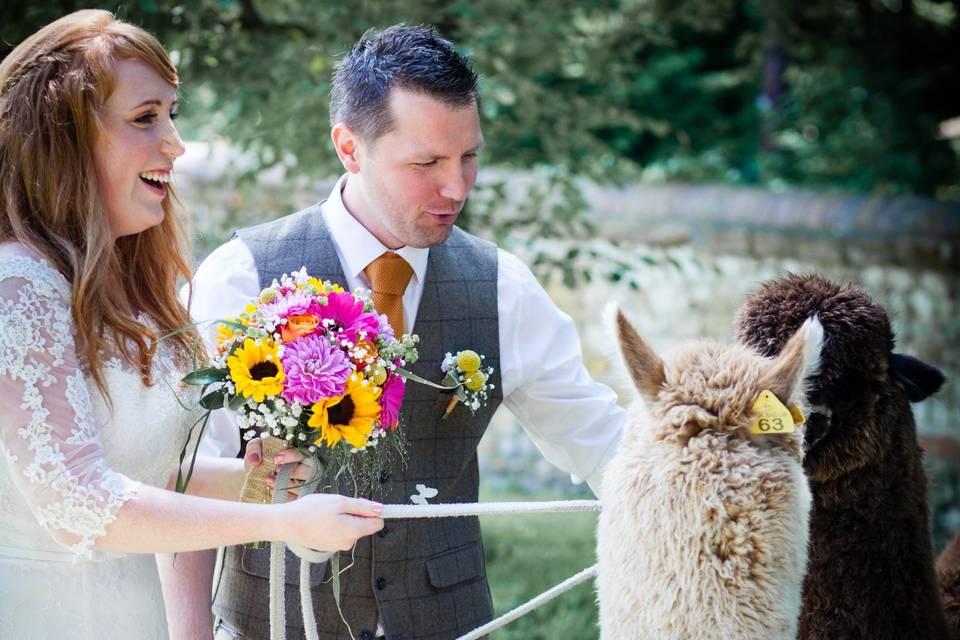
(798, 417)
(770, 416)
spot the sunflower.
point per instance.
(349, 417)
(256, 369)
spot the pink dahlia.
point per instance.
(391, 399)
(315, 370)
(294, 303)
(347, 316)
(386, 331)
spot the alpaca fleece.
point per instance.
(948, 570)
(871, 564)
(703, 532)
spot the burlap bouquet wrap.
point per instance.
(255, 488)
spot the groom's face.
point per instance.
(417, 176)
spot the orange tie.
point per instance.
(389, 275)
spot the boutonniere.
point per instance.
(466, 371)
(465, 376)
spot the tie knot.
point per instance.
(389, 274)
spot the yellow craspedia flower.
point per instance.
(225, 331)
(350, 417)
(377, 374)
(268, 295)
(256, 369)
(474, 380)
(468, 361)
(318, 285)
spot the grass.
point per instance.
(530, 553)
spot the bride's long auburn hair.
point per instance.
(52, 90)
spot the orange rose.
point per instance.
(298, 326)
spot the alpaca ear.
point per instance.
(918, 378)
(798, 360)
(645, 366)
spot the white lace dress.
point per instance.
(69, 463)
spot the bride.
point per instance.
(91, 428)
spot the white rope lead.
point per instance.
(502, 508)
(308, 557)
(278, 613)
(393, 511)
(545, 597)
(484, 508)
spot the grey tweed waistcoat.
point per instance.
(426, 577)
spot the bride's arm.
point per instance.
(52, 446)
(158, 521)
(220, 478)
(187, 582)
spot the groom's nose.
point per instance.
(456, 182)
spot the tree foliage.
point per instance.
(829, 93)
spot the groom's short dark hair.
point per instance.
(414, 58)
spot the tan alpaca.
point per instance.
(703, 532)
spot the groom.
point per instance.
(406, 127)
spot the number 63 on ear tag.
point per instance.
(770, 416)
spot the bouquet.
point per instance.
(312, 366)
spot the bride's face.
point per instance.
(134, 154)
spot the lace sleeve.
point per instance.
(48, 432)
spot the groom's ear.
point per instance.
(346, 142)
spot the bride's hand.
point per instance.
(252, 455)
(330, 522)
(301, 473)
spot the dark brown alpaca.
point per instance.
(948, 570)
(871, 572)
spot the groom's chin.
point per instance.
(430, 237)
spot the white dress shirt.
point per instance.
(573, 420)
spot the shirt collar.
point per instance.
(358, 246)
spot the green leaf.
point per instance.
(335, 576)
(236, 402)
(403, 373)
(206, 376)
(182, 482)
(233, 324)
(214, 400)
